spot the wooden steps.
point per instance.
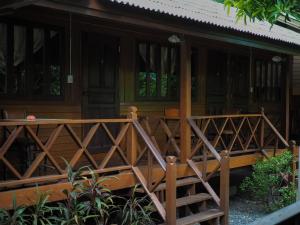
(192, 199)
(199, 217)
(179, 183)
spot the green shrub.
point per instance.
(88, 202)
(271, 183)
(137, 210)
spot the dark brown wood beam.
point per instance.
(185, 100)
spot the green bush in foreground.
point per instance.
(271, 182)
(88, 202)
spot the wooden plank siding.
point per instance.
(70, 107)
(296, 75)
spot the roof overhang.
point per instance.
(124, 15)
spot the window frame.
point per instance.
(158, 98)
(29, 76)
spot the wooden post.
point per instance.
(286, 97)
(294, 149)
(298, 194)
(171, 190)
(132, 137)
(185, 100)
(224, 186)
(262, 129)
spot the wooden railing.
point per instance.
(222, 167)
(164, 132)
(108, 146)
(47, 148)
(237, 134)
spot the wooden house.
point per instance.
(197, 78)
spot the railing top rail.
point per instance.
(226, 116)
(24, 122)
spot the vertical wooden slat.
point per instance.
(185, 100)
(224, 187)
(286, 97)
(262, 130)
(171, 190)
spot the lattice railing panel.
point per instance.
(100, 144)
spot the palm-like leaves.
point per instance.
(137, 210)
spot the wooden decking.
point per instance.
(135, 150)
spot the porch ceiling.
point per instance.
(213, 13)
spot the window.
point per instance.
(267, 82)
(157, 72)
(30, 61)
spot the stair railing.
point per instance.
(143, 150)
(201, 170)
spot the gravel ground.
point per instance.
(243, 211)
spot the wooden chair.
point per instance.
(171, 112)
(23, 145)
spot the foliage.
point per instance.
(87, 202)
(269, 10)
(41, 212)
(270, 182)
(17, 216)
(137, 210)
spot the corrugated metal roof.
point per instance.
(210, 12)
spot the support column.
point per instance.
(171, 190)
(286, 97)
(224, 187)
(185, 100)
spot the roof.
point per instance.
(213, 13)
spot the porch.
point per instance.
(80, 82)
(137, 152)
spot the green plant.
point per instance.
(268, 10)
(88, 200)
(41, 212)
(270, 182)
(74, 211)
(137, 210)
(17, 216)
(99, 199)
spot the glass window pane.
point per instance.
(54, 58)
(142, 86)
(164, 72)
(173, 91)
(38, 65)
(3, 58)
(153, 84)
(153, 58)
(19, 63)
(142, 57)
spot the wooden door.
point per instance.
(100, 78)
(227, 89)
(238, 89)
(216, 87)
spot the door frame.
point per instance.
(85, 71)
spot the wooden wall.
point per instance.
(70, 107)
(296, 75)
(295, 105)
